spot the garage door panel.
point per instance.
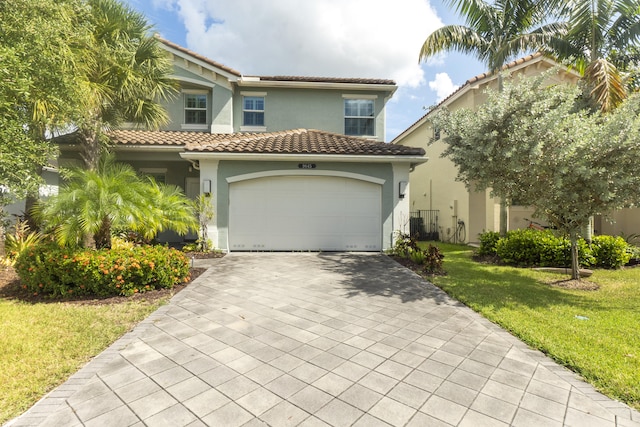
(304, 213)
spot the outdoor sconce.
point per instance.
(402, 189)
(206, 186)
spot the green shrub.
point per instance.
(610, 252)
(417, 257)
(488, 241)
(521, 247)
(404, 245)
(433, 259)
(49, 269)
(528, 247)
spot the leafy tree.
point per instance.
(595, 30)
(113, 196)
(39, 88)
(127, 75)
(535, 144)
(494, 33)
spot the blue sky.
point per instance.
(327, 38)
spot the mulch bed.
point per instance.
(11, 288)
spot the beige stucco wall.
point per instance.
(620, 222)
(434, 185)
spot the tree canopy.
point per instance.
(536, 145)
(39, 90)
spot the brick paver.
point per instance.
(315, 339)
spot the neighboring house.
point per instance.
(435, 196)
(291, 163)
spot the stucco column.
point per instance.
(401, 206)
(209, 180)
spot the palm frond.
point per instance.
(605, 84)
(452, 37)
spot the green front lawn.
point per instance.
(44, 343)
(604, 349)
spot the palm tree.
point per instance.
(112, 196)
(597, 29)
(127, 75)
(495, 33)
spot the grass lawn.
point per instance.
(604, 349)
(42, 344)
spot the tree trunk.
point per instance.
(575, 262)
(29, 203)
(102, 238)
(503, 218)
(91, 146)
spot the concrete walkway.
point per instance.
(311, 339)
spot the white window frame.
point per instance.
(359, 97)
(194, 126)
(249, 128)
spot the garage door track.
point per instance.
(317, 339)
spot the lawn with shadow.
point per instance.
(593, 332)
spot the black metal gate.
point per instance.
(424, 224)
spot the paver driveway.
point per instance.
(320, 339)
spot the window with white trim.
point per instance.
(359, 117)
(253, 111)
(195, 108)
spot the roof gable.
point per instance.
(481, 79)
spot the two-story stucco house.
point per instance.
(436, 197)
(291, 163)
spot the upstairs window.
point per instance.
(359, 117)
(195, 108)
(253, 111)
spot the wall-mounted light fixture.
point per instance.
(206, 186)
(402, 189)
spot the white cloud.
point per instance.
(442, 86)
(329, 38)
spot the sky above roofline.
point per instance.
(326, 38)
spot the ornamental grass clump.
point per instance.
(51, 270)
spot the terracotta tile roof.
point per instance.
(298, 141)
(326, 80)
(198, 56)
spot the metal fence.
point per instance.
(424, 224)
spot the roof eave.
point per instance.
(305, 157)
(318, 85)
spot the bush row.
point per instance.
(529, 247)
(48, 269)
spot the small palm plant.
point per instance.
(93, 203)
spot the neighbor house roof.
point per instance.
(479, 79)
(297, 141)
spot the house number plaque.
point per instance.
(306, 165)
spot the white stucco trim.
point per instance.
(193, 81)
(358, 96)
(246, 93)
(305, 172)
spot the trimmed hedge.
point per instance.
(49, 269)
(528, 247)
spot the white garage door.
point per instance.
(305, 213)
